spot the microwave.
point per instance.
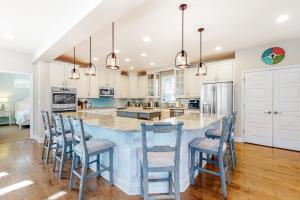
(106, 92)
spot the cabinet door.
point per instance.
(224, 71)
(94, 85)
(142, 86)
(258, 108)
(133, 93)
(180, 83)
(193, 83)
(57, 74)
(82, 84)
(121, 86)
(211, 73)
(286, 109)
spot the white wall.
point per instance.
(247, 59)
(15, 62)
(41, 98)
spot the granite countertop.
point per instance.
(192, 121)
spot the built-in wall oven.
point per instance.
(63, 99)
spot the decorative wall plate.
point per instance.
(273, 55)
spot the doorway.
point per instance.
(16, 106)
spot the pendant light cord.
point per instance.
(90, 51)
(200, 48)
(182, 32)
(74, 58)
(113, 37)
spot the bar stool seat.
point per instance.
(207, 145)
(93, 147)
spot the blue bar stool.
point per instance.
(83, 151)
(49, 134)
(63, 141)
(161, 159)
(216, 133)
(212, 147)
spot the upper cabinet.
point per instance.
(219, 72)
(154, 85)
(107, 77)
(193, 83)
(180, 83)
(142, 84)
(121, 85)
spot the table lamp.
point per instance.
(3, 100)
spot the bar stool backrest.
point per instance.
(226, 127)
(77, 128)
(233, 121)
(59, 126)
(46, 122)
(161, 128)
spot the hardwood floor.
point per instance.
(13, 134)
(262, 173)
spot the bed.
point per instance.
(22, 112)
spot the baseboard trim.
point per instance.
(238, 139)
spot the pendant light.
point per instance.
(112, 62)
(74, 72)
(181, 59)
(202, 69)
(91, 69)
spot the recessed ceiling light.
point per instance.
(218, 48)
(127, 59)
(131, 68)
(282, 18)
(152, 63)
(8, 36)
(143, 55)
(146, 39)
(95, 59)
(117, 51)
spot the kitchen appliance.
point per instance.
(63, 99)
(106, 92)
(194, 104)
(217, 98)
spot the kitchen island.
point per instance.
(139, 113)
(125, 133)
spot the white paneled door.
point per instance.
(286, 108)
(258, 108)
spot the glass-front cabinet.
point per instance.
(154, 85)
(179, 83)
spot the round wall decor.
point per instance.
(273, 55)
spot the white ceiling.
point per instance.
(232, 24)
(34, 22)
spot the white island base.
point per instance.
(127, 146)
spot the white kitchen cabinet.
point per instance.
(180, 83)
(133, 88)
(58, 76)
(219, 72)
(225, 71)
(142, 86)
(153, 85)
(193, 83)
(121, 85)
(107, 77)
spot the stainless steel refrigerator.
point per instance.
(217, 98)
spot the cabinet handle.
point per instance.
(269, 112)
(276, 112)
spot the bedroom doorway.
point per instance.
(15, 106)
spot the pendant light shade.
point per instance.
(91, 69)
(202, 69)
(74, 72)
(181, 59)
(112, 62)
